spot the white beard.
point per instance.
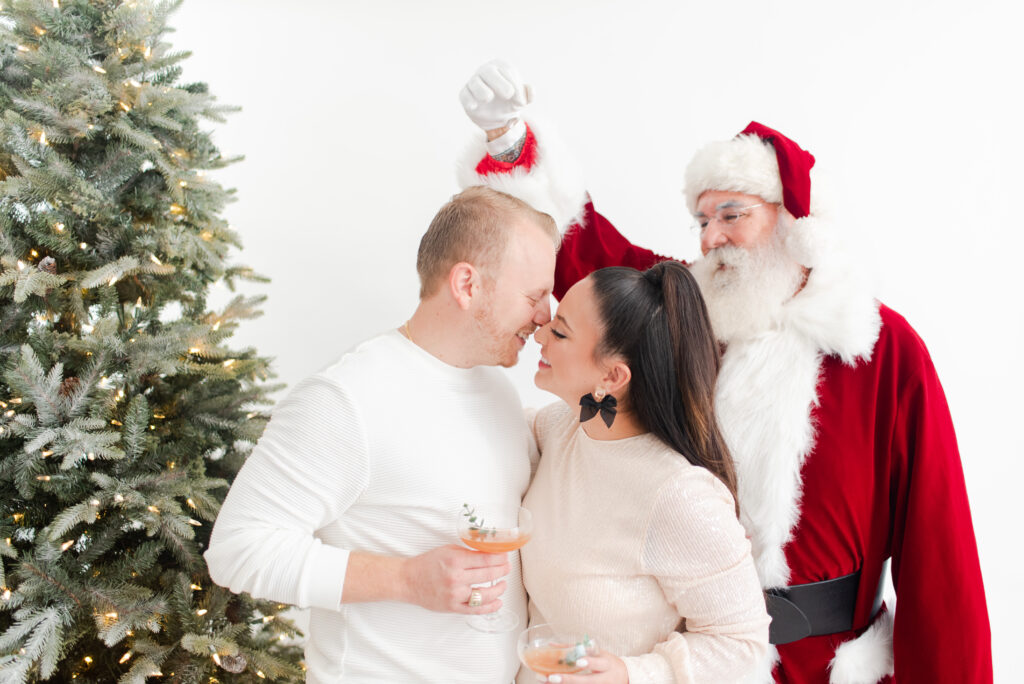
(746, 297)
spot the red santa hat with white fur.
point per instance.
(763, 162)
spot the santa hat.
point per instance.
(759, 161)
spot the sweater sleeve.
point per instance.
(306, 470)
(698, 552)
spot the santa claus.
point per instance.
(842, 438)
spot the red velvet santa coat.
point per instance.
(844, 448)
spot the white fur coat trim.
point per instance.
(866, 659)
(554, 185)
(762, 672)
(767, 389)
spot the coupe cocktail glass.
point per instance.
(494, 528)
(547, 651)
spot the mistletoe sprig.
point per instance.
(576, 652)
(476, 523)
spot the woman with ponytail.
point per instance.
(637, 541)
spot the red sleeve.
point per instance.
(594, 243)
(941, 631)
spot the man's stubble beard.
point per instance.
(747, 296)
(497, 346)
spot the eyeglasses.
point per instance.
(729, 216)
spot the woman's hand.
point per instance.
(605, 668)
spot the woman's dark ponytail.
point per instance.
(658, 322)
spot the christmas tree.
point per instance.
(123, 414)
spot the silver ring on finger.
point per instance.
(476, 599)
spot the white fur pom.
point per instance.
(806, 240)
(866, 659)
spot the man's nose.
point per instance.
(713, 237)
(543, 314)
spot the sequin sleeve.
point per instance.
(697, 550)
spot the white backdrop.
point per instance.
(350, 124)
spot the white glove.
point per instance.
(494, 95)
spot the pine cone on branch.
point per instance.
(48, 264)
(68, 387)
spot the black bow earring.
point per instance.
(590, 407)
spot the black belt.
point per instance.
(817, 608)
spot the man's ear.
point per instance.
(616, 378)
(463, 283)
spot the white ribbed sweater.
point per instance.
(377, 453)
(629, 540)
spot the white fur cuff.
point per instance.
(554, 185)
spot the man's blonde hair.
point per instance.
(473, 227)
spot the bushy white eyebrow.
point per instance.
(729, 204)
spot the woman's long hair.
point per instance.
(658, 323)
